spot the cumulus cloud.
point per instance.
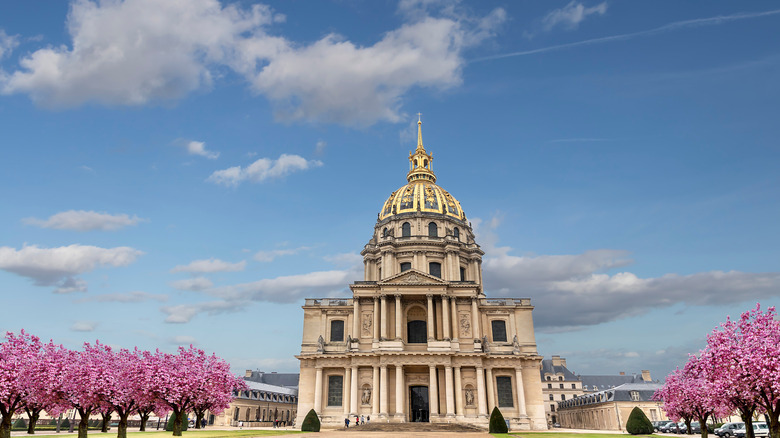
(571, 15)
(210, 265)
(120, 54)
(58, 266)
(7, 43)
(83, 326)
(130, 297)
(80, 220)
(199, 148)
(262, 169)
(194, 284)
(285, 289)
(269, 256)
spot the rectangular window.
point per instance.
(653, 415)
(335, 389)
(406, 266)
(561, 385)
(549, 386)
(462, 274)
(552, 397)
(573, 386)
(337, 331)
(563, 396)
(552, 408)
(434, 269)
(499, 330)
(504, 389)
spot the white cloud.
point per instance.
(80, 220)
(120, 54)
(183, 340)
(269, 256)
(199, 148)
(130, 297)
(7, 43)
(50, 266)
(319, 148)
(262, 169)
(83, 326)
(194, 284)
(571, 15)
(210, 265)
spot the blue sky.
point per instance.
(188, 171)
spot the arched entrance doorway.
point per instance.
(418, 401)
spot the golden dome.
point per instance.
(421, 193)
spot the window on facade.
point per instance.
(504, 390)
(335, 387)
(499, 330)
(563, 396)
(434, 268)
(406, 229)
(417, 332)
(384, 232)
(653, 415)
(337, 331)
(552, 408)
(462, 273)
(433, 230)
(456, 234)
(548, 378)
(560, 377)
(406, 266)
(235, 414)
(552, 397)
(573, 386)
(635, 395)
(561, 385)
(549, 386)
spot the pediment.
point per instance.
(413, 276)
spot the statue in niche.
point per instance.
(366, 397)
(465, 326)
(515, 345)
(469, 397)
(485, 346)
(320, 344)
(367, 323)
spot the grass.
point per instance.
(189, 433)
(562, 435)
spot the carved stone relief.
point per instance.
(469, 396)
(465, 325)
(367, 324)
(365, 399)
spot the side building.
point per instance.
(558, 384)
(270, 397)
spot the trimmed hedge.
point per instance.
(311, 423)
(19, 424)
(638, 424)
(497, 422)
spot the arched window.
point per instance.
(406, 266)
(406, 229)
(384, 232)
(434, 268)
(337, 330)
(235, 414)
(433, 230)
(456, 234)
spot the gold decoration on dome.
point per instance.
(420, 161)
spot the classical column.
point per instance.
(520, 391)
(416, 261)
(449, 391)
(481, 392)
(455, 328)
(376, 319)
(491, 395)
(430, 317)
(458, 392)
(399, 391)
(375, 392)
(318, 391)
(346, 390)
(433, 392)
(398, 330)
(355, 319)
(383, 390)
(445, 313)
(383, 319)
(475, 319)
(353, 405)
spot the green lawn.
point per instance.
(186, 434)
(562, 435)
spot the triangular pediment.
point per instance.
(413, 276)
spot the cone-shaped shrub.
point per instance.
(65, 424)
(19, 424)
(497, 423)
(172, 418)
(638, 424)
(311, 423)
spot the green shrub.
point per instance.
(184, 423)
(19, 424)
(311, 423)
(638, 424)
(65, 424)
(497, 422)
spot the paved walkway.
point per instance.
(341, 433)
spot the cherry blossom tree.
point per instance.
(87, 377)
(674, 395)
(17, 352)
(216, 392)
(41, 380)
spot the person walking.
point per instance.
(346, 422)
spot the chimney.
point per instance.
(622, 373)
(248, 373)
(646, 376)
(556, 361)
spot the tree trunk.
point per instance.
(688, 426)
(144, 419)
(83, 424)
(176, 423)
(703, 426)
(774, 424)
(747, 417)
(106, 422)
(33, 415)
(121, 429)
(5, 425)
(199, 413)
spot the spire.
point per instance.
(420, 160)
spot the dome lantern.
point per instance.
(420, 161)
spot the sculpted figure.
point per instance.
(320, 344)
(469, 397)
(366, 398)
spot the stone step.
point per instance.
(413, 427)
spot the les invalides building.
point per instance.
(419, 341)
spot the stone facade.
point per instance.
(609, 409)
(558, 384)
(262, 402)
(419, 340)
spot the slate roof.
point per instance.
(619, 393)
(277, 379)
(600, 383)
(549, 368)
